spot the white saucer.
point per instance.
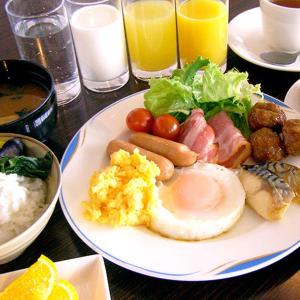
(246, 40)
(292, 97)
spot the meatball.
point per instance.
(266, 114)
(291, 136)
(266, 145)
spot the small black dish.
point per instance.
(39, 122)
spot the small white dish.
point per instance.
(86, 273)
(245, 38)
(292, 98)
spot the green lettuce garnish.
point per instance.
(212, 90)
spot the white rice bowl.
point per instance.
(23, 218)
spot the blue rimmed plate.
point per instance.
(251, 244)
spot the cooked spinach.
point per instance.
(27, 166)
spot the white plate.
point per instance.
(292, 98)
(250, 245)
(86, 273)
(246, 40)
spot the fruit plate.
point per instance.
(86, 273)
(250, 245)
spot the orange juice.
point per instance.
(202, 30)
(151, 34)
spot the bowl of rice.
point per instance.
(27, 201)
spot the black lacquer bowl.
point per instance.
(41, 121)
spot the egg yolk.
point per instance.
(191, 193)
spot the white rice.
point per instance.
(22, 201)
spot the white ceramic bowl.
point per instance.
(14, 247)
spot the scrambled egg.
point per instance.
(124, 192)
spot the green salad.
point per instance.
(211, 90)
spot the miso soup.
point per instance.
(18, 99)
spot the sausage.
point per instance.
(166, 166)
(179, 154)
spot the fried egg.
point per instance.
(198, 202)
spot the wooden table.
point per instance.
(278, 281)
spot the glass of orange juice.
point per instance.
(151, 36)
(202, 30)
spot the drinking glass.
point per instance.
(202, 30)
(43, 36)
(151, 36)
(98, 33)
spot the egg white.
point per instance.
(210, 222)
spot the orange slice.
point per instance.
(64, 290)
(36, 283)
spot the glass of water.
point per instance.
(43, 35)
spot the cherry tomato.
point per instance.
(166, 126)
(140, 119)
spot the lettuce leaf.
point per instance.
(215, 91)
(174, 94)
(214, 85)
(212, 90)
(169, 96)
(189, 71)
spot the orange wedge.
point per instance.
(36, 283)
(64, 290)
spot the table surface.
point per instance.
(281, 280)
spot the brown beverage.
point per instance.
(287, 3)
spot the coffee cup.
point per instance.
(281, 24)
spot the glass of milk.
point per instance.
(98, 34)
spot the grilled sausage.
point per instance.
(179, 154)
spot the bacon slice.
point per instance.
(198, 136)
(234, 149)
